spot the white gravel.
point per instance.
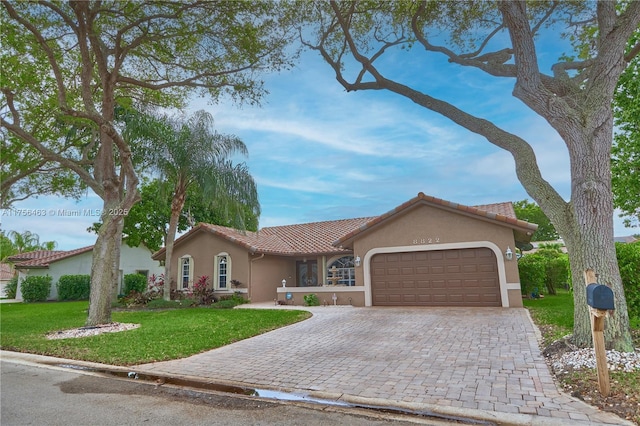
(113, 327)
(586, 358)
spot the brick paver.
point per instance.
(479, 359)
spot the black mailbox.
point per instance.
(599, 296)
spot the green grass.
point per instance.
(553, 315)
(163, 335)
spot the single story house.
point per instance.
(57, 263)
(425, 252)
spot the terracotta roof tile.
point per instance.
(43, 261)
(29, 255)
(6, 272)
(326, 237)
(305, 238)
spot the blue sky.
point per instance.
(319, 153)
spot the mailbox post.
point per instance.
(600, 300)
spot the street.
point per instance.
(41, 395)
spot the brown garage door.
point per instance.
(463, 277)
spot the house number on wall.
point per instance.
(426, 240)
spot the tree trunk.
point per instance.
(589, 234)
(177, 204)
(105, 266)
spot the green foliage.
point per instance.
(547, 268)
(531, 212)
(163, 335)
(228, 302)
(36, 288)
(629, 262)
(135, 283)
(11, 289)
(311, 300)
(532, 274)
(625, 154)
(203, 292)
(21, 242)
(556, 264)
(74, 287)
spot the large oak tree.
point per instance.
(66, 65)
(499, 39)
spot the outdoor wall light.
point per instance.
(357, 261)
(284, 283)
(508, 254)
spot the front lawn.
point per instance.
(554, 317)
(162, 335)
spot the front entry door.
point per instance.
(307, 273)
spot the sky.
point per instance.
(319, 153)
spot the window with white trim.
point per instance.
(345, 271)
(223, 271)
(185, 273)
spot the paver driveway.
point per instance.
(465, 359)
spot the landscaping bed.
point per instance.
(573, 368)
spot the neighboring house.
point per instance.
(6, 273)
(628, 239)
(426, 252)
(553, 243)
(78, 262)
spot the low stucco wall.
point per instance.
(344, 295)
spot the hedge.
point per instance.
(36, 288)
(532, 274)
(629, 263)
(74, 287)
(135, 282)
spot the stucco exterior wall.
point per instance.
(267, 274)
(203, 249)
(430, 228)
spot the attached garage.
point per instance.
(459, 277)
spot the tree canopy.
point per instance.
(65, 66)
(625, 154)
(531, 212)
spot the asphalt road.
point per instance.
(43, 395)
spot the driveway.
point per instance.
(483, 363)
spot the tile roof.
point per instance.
(6, 272)
(29, 255)
(307, 238)
(40, 259)
(326, 237)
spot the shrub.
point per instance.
(202, 292)
(629, 263)
(36, 289)
(311, 300)
(228, 302)
(225, 304)
(11, 289)
(155, 286)
(135, 282)
(532, 274)
(74, 287)
(135, 298)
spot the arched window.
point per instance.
(222, 271)
(345, 271)
(185, 272)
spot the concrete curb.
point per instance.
(438, 412)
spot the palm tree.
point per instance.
(25, 241)
(192, 153)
